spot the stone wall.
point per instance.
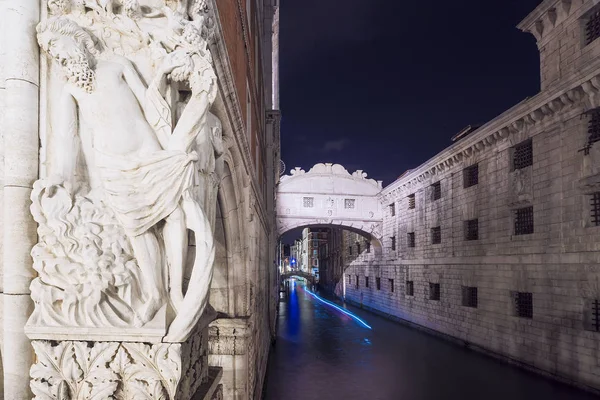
(527, 296)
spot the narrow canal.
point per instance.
(321, 353)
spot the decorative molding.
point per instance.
(542, 21)
(73, 370)
(228, 337)
(122, 371)
(524, 116)
(332, 169)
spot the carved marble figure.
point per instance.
(136, 197)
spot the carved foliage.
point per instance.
(148, 371)
(121, 371)
(73, 370)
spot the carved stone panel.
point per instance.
(520, 187)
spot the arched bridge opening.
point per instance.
(329, 196)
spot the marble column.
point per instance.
(19, 81)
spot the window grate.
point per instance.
(357, 248)
(524, 221)
(411, 239)
(349, 203)
(593, 129)
(366, 281)
(524, 304)
(350, 250)
(436, 191)
(471, 175)
(357, 281)
(596, 315)
(308, 202)
(595, 209)
(436, 235)
(434, 291)
(592, 28)
(393, 238)
(393, 209)
(410, 288)
(469, 296)
(368, 246)
(349, 279)
(523, 155)
(391, 281)
(411, 202)
(378, 283)
(472, 229)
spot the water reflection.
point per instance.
(322, 353)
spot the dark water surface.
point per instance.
(323, 354)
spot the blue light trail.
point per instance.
(348, 313)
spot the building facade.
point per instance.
(235, 49)
(494, 241)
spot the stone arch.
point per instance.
(329, 196)
(227, 288)
(376, 241)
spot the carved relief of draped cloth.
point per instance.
(144, 190)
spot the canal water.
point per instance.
(322, 353)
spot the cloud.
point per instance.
(335, 145)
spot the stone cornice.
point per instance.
(542, 21)
(331, 169)
(582, 89)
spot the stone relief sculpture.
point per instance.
(130, 167)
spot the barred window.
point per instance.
(349, 203)
(523, 155)
(524, 221)
(594, 322)
(471, 176)
(410, 288)
(349, 279)
(595, 208)
(434, 291)
(357, 281)
(469, 296)
(378, 283)
(350, 250)
(368, 246)
(393, 238)
(411, 239)
(411, 201)
(308, 202)
(393, 209)
(592, 28)
(366, 281)
(523, 304)
(593, 128)
(436, 235)
(472, 229)
(436, 191)
(357, 248)
(391, 281)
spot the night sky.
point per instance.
(382, 85)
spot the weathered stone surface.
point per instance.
(557, 263)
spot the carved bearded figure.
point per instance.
(137, 164)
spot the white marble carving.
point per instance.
(130, 169)
(328, 189)
(106, 370)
